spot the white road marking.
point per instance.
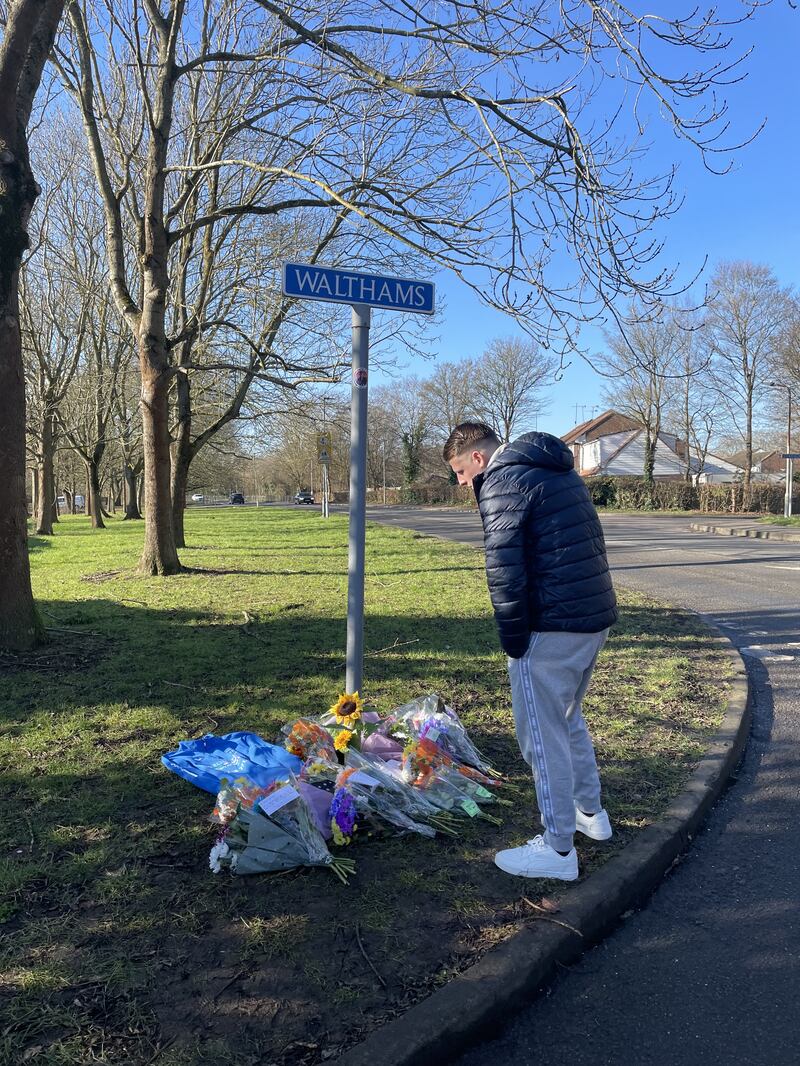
(773, 566)
(767, 653)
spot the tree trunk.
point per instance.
(649, 458)
(94, 502)
(181, 456)
(687, 423)
(47, 486)
(34, 490)
(159, 554)
(748, 453)
(131, 496)
(20, 627)
(29, 30)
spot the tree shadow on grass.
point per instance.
(110, 901)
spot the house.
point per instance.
(767, 466)
(613, 444)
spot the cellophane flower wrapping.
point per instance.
(296, 819)
(379, 803)
(398, 792)
(254, 844)
(430, 717)
(308, 739)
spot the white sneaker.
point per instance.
(595, 826)
(538, 859)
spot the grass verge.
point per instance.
(774, 520)
(118, 945)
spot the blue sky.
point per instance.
(749, 213)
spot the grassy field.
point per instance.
(118, 945)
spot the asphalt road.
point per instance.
(710, 967)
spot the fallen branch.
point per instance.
(368, 960)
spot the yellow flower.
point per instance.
(342, 739)
(347, 709)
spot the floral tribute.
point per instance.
(413, 771)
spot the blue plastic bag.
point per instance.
(206, 761)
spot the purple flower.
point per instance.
(343, 816)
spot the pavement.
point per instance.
(741, 527)
(709, 965)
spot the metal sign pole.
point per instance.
(358, 499)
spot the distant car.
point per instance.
(304, 496)
(198, 497)
(237, 497)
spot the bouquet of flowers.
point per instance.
(277, 834)
(377, 802)
(429, 718)
(427, 768)
(397, 794)
(308, 739)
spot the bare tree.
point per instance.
(380, 130)
(746, 314)
(29, 31)
(509, 383)
(699, 400)
(645, 362)
(87, 420)
(409, 420)
(451, 395)
(59, 286)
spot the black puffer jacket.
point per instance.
(545, 554)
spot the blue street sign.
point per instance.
(791, 455)
(350, 287)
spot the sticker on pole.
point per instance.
(304, 281)
(360, 377)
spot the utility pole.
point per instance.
(787, 498)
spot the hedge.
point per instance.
(633, 493)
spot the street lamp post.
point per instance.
(787, 499)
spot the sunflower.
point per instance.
(347, 709)
(342, 739)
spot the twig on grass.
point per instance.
(391, 647)
(75, 632)
(368, 960)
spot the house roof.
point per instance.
(759, 455)
(594, 423)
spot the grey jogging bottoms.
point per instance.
(547, 686)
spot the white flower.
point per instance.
(219, 851)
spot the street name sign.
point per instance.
(791, 455)
(308, 282)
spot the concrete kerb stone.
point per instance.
(747, 531)
(467, 1009)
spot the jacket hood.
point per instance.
(536, 449)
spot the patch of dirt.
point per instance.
(65, 652)
(101, 576)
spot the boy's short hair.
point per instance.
(470, 436)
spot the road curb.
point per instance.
(468, 1008)
(747, 531)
